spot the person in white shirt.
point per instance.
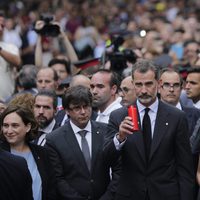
(104, 86)
(9, 58)
(11, 34)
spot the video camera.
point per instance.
(117, 58)
(48, 29)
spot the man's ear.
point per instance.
(132, 82)
(56, 84)
(114, 89)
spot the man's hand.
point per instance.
(125, 129)
(39, 25)
(60, 28)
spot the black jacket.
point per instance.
(45, 169)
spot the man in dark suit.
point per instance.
(170, 91)
(16, 182)
(45, 104)
(80, 170)
(192, 86)
(156, 160)
(80, 79)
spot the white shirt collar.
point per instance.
(49, 128)
(113, 106)
(197, 104)
(76, 129)
(153, 107)
(178, 105)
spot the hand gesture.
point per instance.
(125, 129)
(39, 25)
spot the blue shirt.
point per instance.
(37, 182)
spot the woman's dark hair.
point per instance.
(27, 117)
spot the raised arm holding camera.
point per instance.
(48, 28)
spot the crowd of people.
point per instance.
(59, 34)
(70, 71)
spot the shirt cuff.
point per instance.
(118, 145)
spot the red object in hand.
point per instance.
(132, 112)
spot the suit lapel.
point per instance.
(138, 138)
(74, 146)
(96, 142)
(161, 126)
(139, 142)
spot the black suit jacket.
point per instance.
(35, 141)
(15, 179)
(74, 181)
(59, 116)
(46, 172)
(168, 174)
(192, 114)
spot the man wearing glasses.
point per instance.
(127, 92)
(170, 91)
(76, 152)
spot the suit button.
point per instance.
(92, 181)
(89, 197)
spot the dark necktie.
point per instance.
(146, 127)
(85, 148)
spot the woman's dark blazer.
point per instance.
(46, 171)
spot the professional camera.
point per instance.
(119, 59)
(49, 29)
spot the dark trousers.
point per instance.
(147, 196)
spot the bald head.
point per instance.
(80, 80)
(47, 79)
(127, 91)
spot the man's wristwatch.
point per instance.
(0, 49)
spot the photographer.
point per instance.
(48, 30)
